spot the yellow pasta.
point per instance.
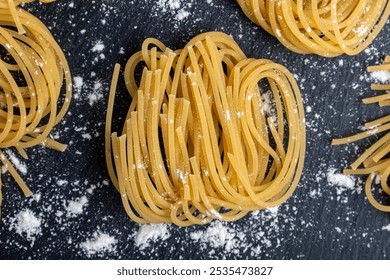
(325, 27)
(374, 161)
(198, 143)
(32, 72)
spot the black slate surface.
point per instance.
(321, 220)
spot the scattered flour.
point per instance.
(96, 94)
(217, 235)
(61, 183)
(151, 232)
(182, 15)
(168, 4)
(273, 210)
(36, 197)
(78, 84)
(98, 47)
(76, 207)
(268, 105)
(27, 224)
(381, 76)
(221, 235)
(386, 227)
(340, 180)
(17, 163)
(175, 7)
(174, 4)
(100, 243)
(343, 183)
(93, 91)
(86, 136)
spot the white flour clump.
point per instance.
(268, 106)
(151, 232)
(96, 94)
(174, 4)
(100, 243)
(182, 15)
(342, 183)
(76, 207)
(381, 76)
(20, 166)
(341, 180)
(175, 8)
(217, 235)
(98, 47)
(78, 84)
(27, 225)
(386, 227)
(61, 183)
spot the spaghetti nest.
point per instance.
(32, 72)
(325, 27)
(197, 143)
(375, 160)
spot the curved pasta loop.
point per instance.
(12, 6)
(200, 140)
(324, 27)
(375, 161)
(32, 73)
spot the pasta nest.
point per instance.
(324, 27)
(210, 134)
(33, 70)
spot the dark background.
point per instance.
(321, 220)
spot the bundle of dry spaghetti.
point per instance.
(32, 72)
(200, 141)
(375, 160)
(325, 27)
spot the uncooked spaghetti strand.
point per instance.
(371, 198)
(370, 151)
(14, 13)
(110, 107)
(380, 87)
(376, 99)
(361, 135)
(379, 67)
(9, 167)
(377, 122)
(369, 170)
(122, 190)
(375, 159)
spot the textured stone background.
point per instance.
(321, 220)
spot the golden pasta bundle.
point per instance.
(32, 72)
(198, 143)
(325, 27)
(375, 161)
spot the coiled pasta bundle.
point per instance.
(375, 160)
(197, 143)
(32, 72)
(325, 27)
